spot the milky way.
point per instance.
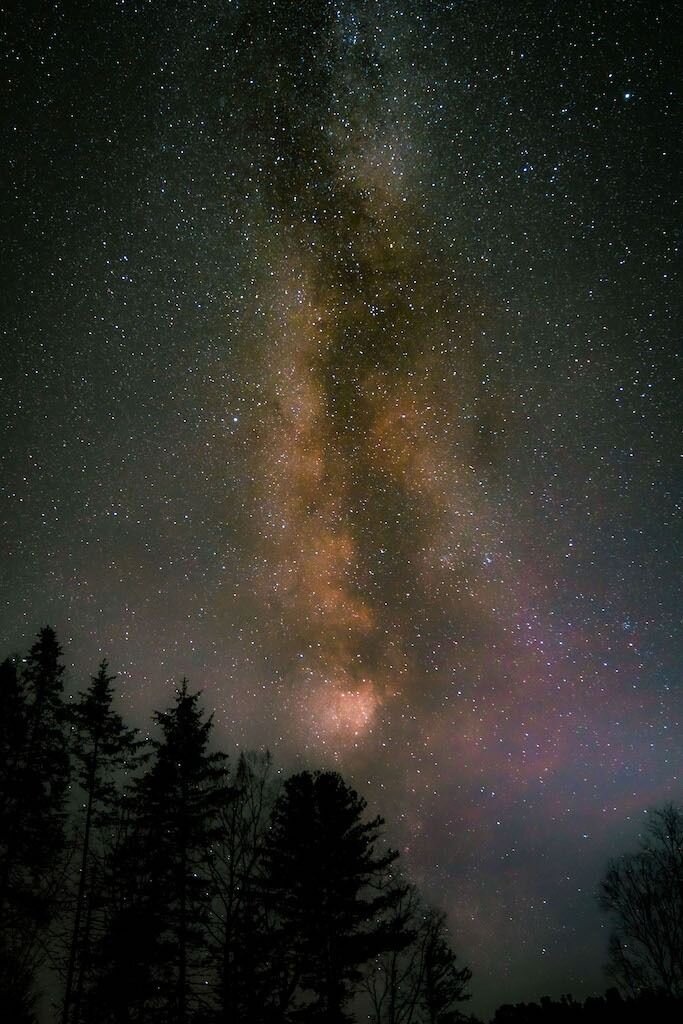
(340, 362)
(367, 497)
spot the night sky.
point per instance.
(339, 373)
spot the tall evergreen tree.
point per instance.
(35, 784)
(15, 979)
(158, 946)
(13, 725)
(104, 751)
(321, 859)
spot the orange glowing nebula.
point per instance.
(340, 711)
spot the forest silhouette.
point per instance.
(158, 880)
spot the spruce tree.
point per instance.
(104, 751)
(158, 947)
(15, 979)
(13, 725)
(35, 783)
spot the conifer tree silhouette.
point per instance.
(160, 967)
(104, 751)
(15, 979)
(320, 860)
(35, 783)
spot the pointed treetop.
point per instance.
(43, 664)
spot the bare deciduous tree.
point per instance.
(643, 894)
(420, 981)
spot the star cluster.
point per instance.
(340, 374)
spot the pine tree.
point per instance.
(35, 785)
(13, 724)
(320, 862)
(105, 751)
(158, 947)
(15, 980)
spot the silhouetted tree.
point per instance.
(15, 980)
(125, 958)
(104, 751)
(158, 944)
(659, 1009)
(418, 983)
(12, 735)
(392, 979)
(643, 894)
(240, 930)
(35, 780)
(321, 860)
(13, 728)
(444, 984)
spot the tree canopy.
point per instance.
(642, 892)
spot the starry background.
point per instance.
(339, 373)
